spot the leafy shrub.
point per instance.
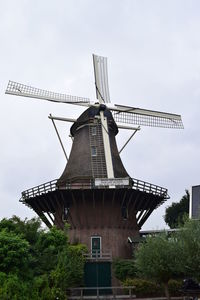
(70, 268)
(146, 288)
(14, 252)
(36, 263)
(124, 268)
(143, 287)
(174, 287)
(12, 288)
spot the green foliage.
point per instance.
(49, 245)
(143, 288)
(35, 263)
(75, 265)
(14, 252)
(175, 287)
(146, 288)
(163, 258)
(13, 288)
(70, 268)
(159, 258)
(124, 268)
(42, 289)
(189, 240)
(177, 213)
(28, 229)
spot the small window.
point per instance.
(94, 130)
(94, 151)
(124, 211)
(96, 246)
(65, 213)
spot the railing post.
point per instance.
(81, 294)
(98, 293)
(114, 292)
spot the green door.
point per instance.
(98, 274)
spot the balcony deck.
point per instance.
(47, 198)
(51, 186)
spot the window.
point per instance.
(65, 213)
(124, 211)
(94, 130)
(94, 151)
(96, 246)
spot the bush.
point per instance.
(12, 288)
(124, 268)
(175, 286)
(146, 288)
(143, 288)
(37, 264)
(14, 253)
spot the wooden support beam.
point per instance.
(56, 216)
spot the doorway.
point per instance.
(98, 274)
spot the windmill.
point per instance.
(95, 194)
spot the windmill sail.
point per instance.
(144, 117)
(101, 78)
(18, 89)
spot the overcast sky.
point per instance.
(153, 50)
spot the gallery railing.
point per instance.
(135, 184)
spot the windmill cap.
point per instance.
(90, 114)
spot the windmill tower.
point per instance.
(95, 194)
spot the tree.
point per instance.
(48, 248)
(13, 288)
(29, 229)
(70, 268)
(37, 263)
(14, 253)
(165, 257)
(188, 238)
(177, 213)
(124, 268)
(159, 259)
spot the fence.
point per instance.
(98, 255)
(87, 293)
